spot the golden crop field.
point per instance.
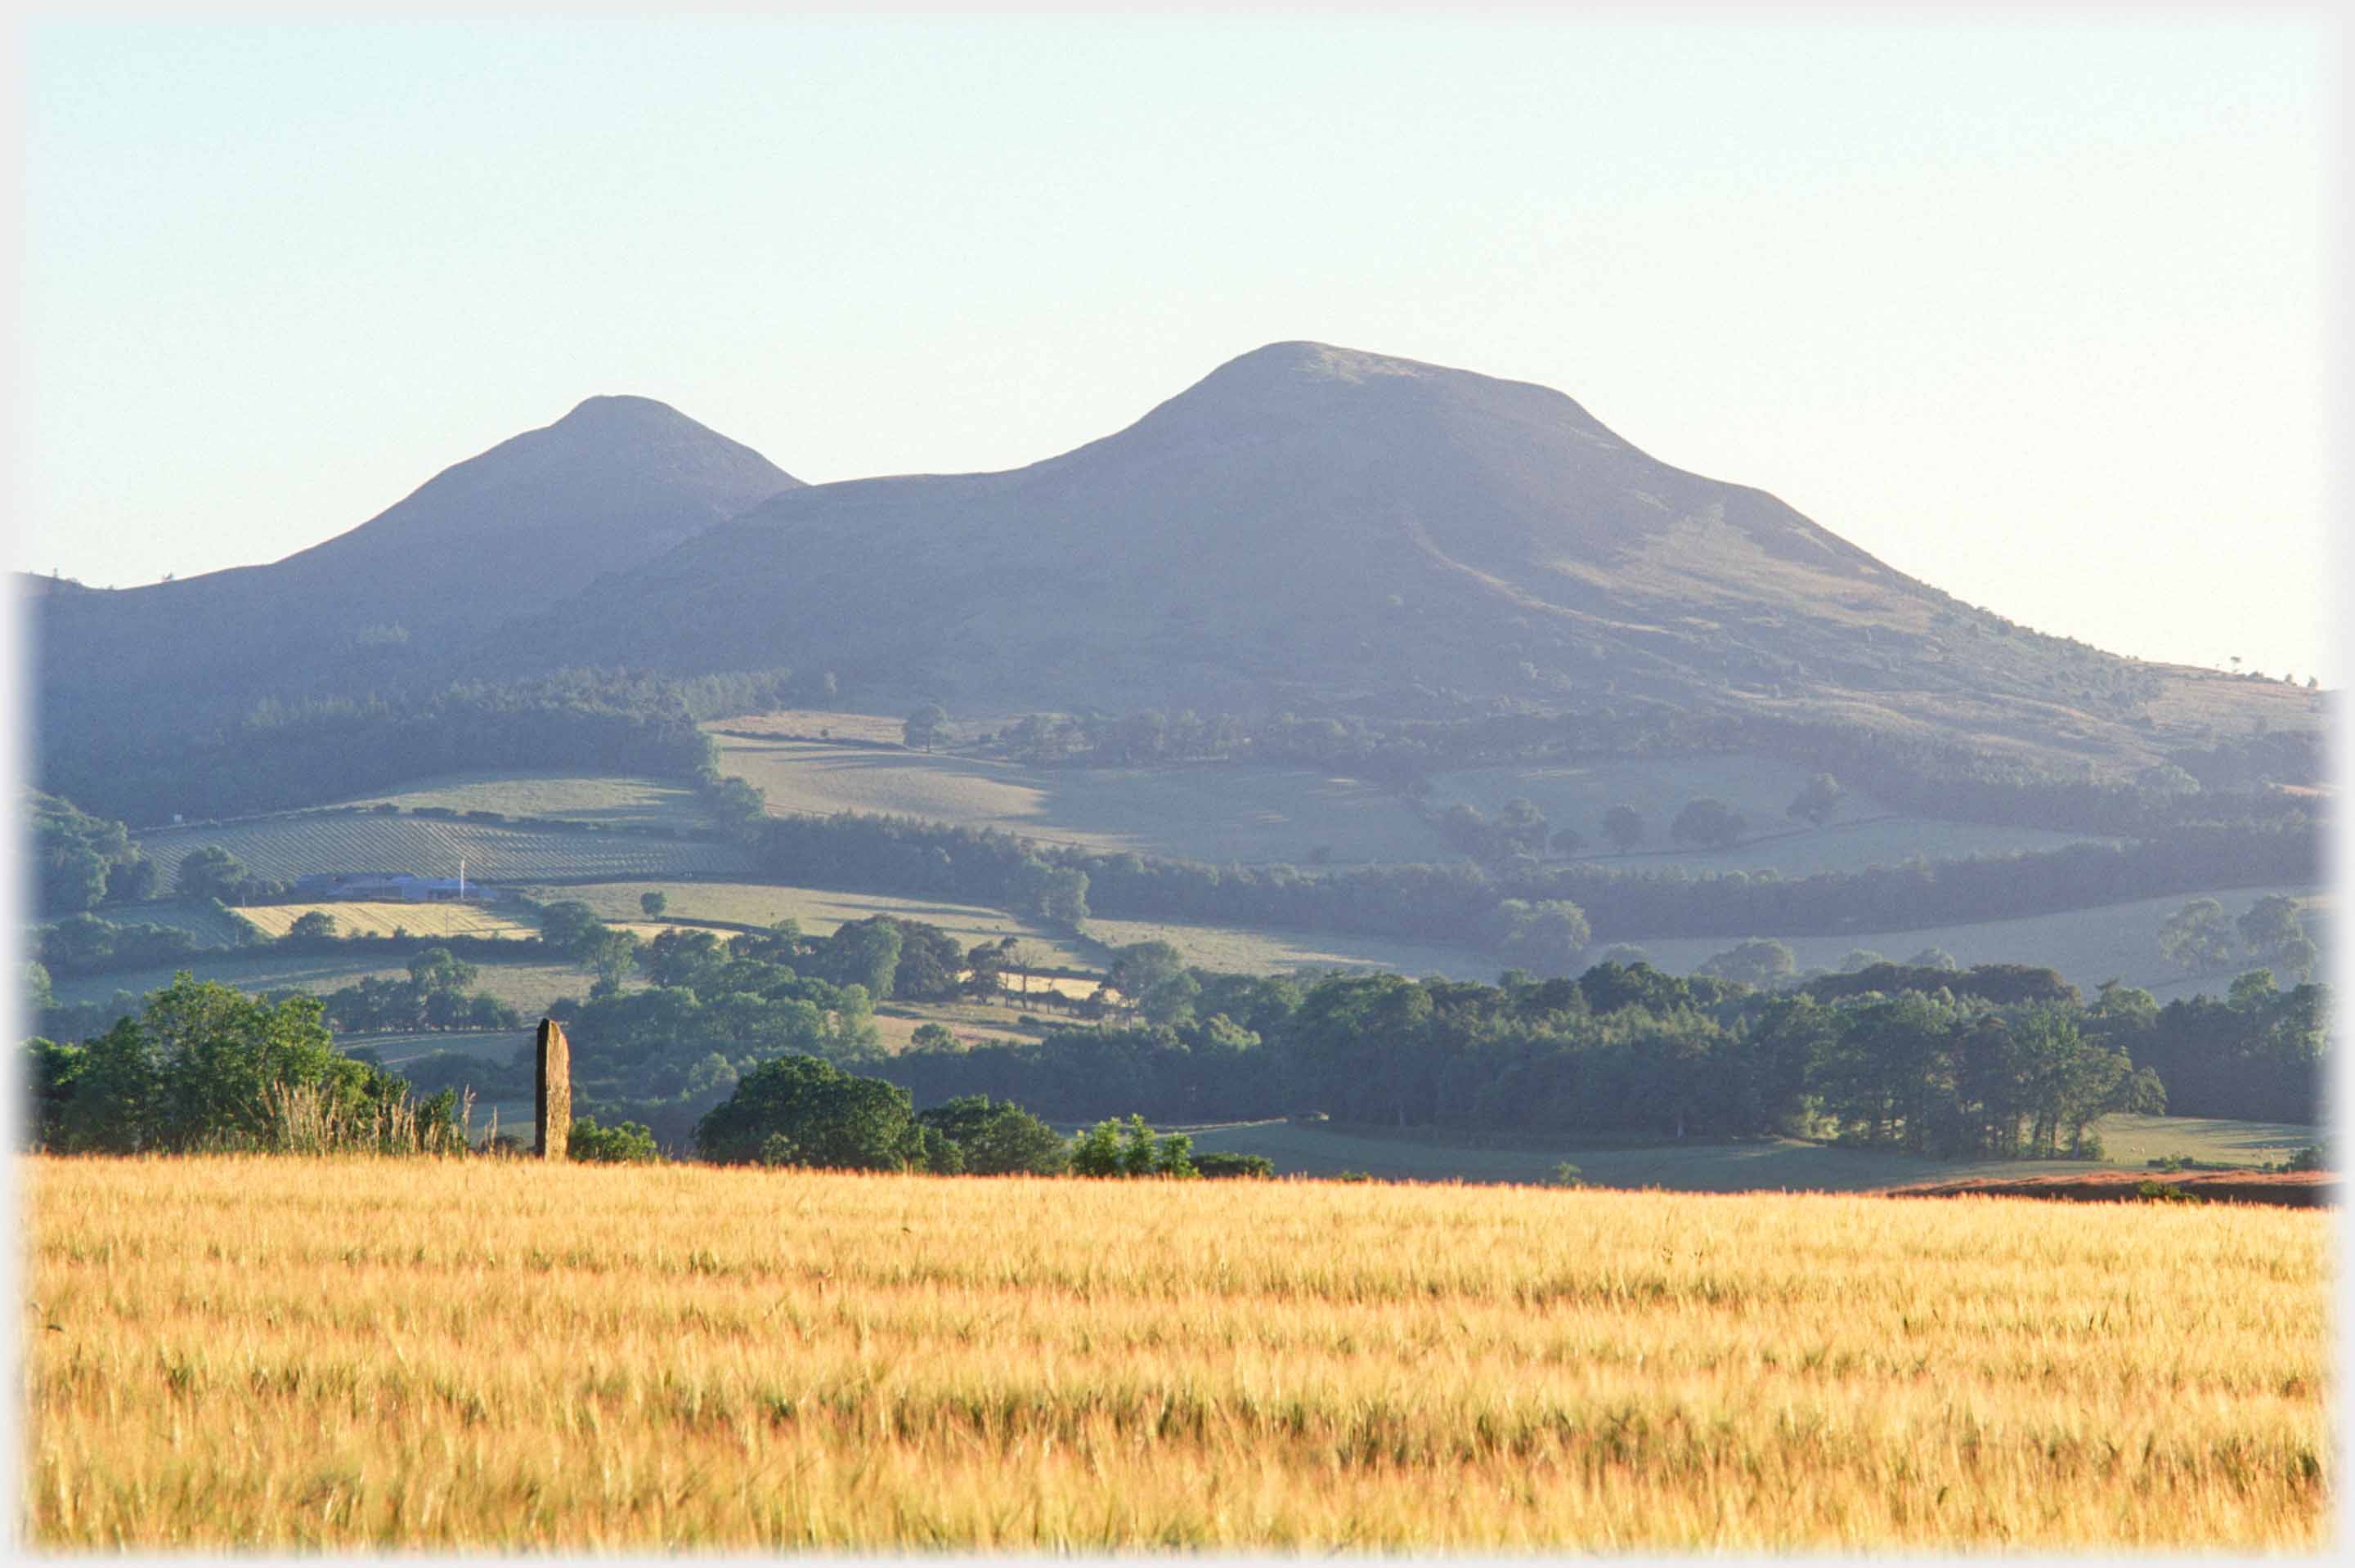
(361, 917)
(486, 1354)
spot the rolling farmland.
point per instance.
(283, 848)
(282, 1355)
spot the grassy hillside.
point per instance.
(1781, 1164)
(283, 848)
(448, 1355)
(1217, 812)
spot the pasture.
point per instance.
(285, 847)
(474, 1355)
(361, 917)
(1766, 1166)
(613, 801)
(1862, 832)
(1220, 812)
(2087, 946)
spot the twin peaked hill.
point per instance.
(1308, 527)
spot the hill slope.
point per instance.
(1317, 526)
(615, 482)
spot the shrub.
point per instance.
(627, 1143)
(1221, 1165)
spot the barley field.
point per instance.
(486, 1354)
(361, 917)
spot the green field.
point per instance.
(396, 1051)
(1766, 1166)
(2087, 946)
(1861, 832)
(613, 801)
(1222, 812)
(819, 912)
(527, 984)
(1262, 950)
(283, 848)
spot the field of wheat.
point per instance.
(477, 1353)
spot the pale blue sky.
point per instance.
(2036, 312)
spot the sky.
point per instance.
(2037, 310)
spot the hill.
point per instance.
(1330, 530)
(614, 483)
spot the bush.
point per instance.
(1223, 1166)
(628, 1143)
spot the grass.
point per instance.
(396, 1051)
(1770, 1165)
(358, 918)
(612, 799)
(292, 1355)
(1212, 812)
(283, 848)
(819, 912)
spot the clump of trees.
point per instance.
(81, 861)
(203, 1068)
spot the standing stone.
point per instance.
(552, 1093)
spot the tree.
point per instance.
(1857, 959)
(1760, 961)
(1934, 959)
(682, 956)
(312, 925)
(1709, 821)
(567, 926)
(2273, 934)
(2198, 938)
(209, 871)
(1548, 936)
(1140, 967)
(924, 725)
(612, 955)
(651, 905)
(1129, 1149)
(1522, 826)
(863, 953)
(39, 997)
(1817, 799)
(800, 1111)
(1568, 841)
(440, 969)
(1624, 826)
(1000, 1139)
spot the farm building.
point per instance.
(384, 886)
